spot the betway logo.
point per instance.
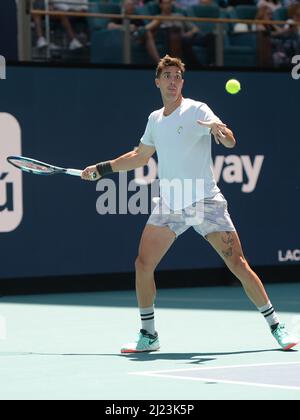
(231, 169)
(11, 199)
(239, 169)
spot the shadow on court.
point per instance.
(191, 358)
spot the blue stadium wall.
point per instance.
(74, 117)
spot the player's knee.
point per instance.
(238, 264)
(144, 264)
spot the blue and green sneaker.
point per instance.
(284, 339)
(145, 342)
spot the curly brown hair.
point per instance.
(168, 61)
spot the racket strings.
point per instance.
(27, 165)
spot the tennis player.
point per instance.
(180, 134)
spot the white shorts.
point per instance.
(206, 216)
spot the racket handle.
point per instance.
(73, 172)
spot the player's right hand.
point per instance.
(90, 174)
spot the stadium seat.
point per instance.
(97, 23)
(153, 9)
(245, 12)
(281, 14)
(235, 56)
(242, 12)
(212, 11)
(241, 48)
(107, 47)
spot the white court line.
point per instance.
(205, 300)
(164, 374)
(203, 379)
(216, 367)
(218, 300)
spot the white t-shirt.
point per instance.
(183, 149)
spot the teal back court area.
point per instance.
(215, 345)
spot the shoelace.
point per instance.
(281, 332)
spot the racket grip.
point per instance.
(74, 172)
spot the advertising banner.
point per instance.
(73, 118)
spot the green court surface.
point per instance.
(215, 345)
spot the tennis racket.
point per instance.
(40, 168)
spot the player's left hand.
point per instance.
(216, 128)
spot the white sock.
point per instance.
(270, 315)
(147, 317)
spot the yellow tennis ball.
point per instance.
(233, 86)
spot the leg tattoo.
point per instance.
(227, 238)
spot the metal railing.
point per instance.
(219, 22)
